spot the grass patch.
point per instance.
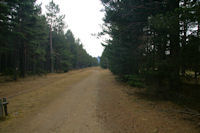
(132, 80)
(135, 81)
(187, 95)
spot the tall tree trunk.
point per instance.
(0, 63)
(175, 47)
(184, 39)
(23, 61)
(51, 50)
(15, 64)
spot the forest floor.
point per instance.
(86, 101)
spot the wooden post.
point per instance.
(1, 108)
(5, 106)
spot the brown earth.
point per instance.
(84, 101)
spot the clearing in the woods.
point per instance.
(85, 101)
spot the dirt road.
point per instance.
(83, 101)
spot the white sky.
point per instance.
(84, 18)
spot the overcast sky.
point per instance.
(84, 18)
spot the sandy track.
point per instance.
(66, 105)
(73, 112)
(87, 101)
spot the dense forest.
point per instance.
(33, 43)
(153, 42)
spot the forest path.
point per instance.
(84, 101)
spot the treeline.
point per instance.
(157, 41)
(32, 43)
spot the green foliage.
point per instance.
(155, 39)
(24, 36)
(104, 59)
(54, 20)
(191, 54)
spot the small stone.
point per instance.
(16, 113)
(155, 130)
(198, 124)
(144, 119)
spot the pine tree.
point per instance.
(55, 24)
